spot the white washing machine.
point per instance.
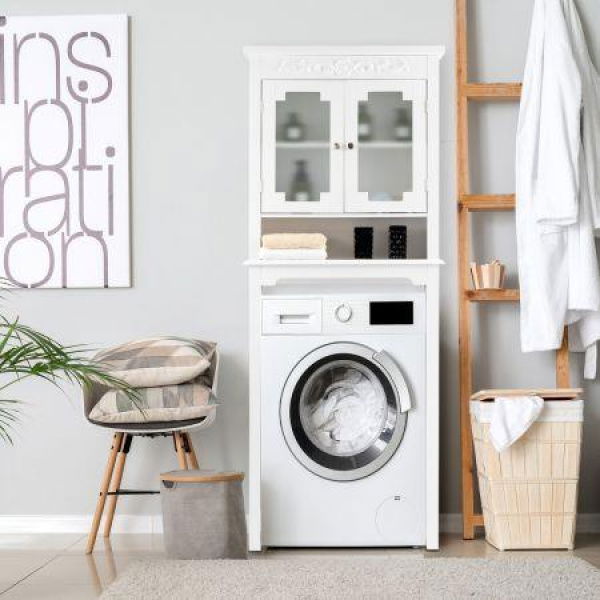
(343, 449)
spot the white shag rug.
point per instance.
(515, 578)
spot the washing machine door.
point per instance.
(343, 410)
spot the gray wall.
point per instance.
(189, 132)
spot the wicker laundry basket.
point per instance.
(529, 491)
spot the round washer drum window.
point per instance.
(340, 416)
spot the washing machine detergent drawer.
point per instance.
(341, 463)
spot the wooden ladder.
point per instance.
(467, 203)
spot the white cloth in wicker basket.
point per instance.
(512, 417)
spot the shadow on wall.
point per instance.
(216, 447)
(449, 422)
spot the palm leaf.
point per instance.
(26, 352)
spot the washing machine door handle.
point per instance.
(388, 364)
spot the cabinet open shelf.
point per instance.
(340, 234)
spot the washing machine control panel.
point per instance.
(310, 315)
(367, 315)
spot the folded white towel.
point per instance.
(512, 417)
(292, 254)
(279, 241)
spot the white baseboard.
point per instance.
(449, 523)
(77, 523)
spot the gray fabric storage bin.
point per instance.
(203, 514)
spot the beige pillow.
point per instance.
(158, 361)
(167, 403)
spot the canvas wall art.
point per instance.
(64, 153)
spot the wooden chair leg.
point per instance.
(116, 482)
(192, 460)
(110, 465)
(177, 437)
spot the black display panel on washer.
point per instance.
(391, 313)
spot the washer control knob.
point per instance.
(343, 313)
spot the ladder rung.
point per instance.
(478, 520)
(504, 295)
(492, 91)
(488, 201)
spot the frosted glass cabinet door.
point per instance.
(302, 141)
(386, 146)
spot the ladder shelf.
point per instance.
(492, 91)
(503, 295)
(481, 202)
(467, 202)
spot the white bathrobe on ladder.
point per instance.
(558, 185)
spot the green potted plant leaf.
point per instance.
(25, 353)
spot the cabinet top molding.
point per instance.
(343, 66)
(342, 62)
(326, 51)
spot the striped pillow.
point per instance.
(167, 403)
(158, 361)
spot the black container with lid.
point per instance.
(363, 242)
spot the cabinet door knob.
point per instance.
(350, 145)
(337, 145)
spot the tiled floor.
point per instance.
(39, 567)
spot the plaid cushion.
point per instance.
(158, 361)
(167, 403)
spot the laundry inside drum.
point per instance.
(343, 408)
